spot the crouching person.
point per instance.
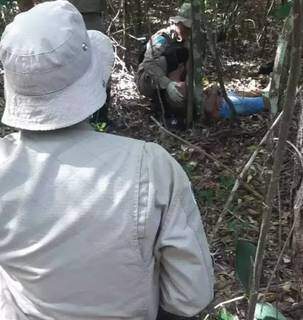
(162, 73)
(92, 226)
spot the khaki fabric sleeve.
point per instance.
(186, 271)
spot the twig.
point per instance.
(115, 17)
(243, 173)
(298, 153)
(221, 304)
(279, 258)
(279, 154)
(263, 291)
(216, 161)
(162, 107)
(268, 9)
(214, 51)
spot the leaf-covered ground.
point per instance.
(232, 145)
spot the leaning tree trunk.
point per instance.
(298, 209)
(281, 67)
(288, 109)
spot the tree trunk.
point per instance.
(297, 242)
(197, 56)
(293, 80)
(281, 67)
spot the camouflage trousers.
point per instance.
(147, 87)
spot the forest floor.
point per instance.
(232, 146)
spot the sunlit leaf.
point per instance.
(266, 311)
(225, 315)
(282, 11)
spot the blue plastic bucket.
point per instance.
(243, 105)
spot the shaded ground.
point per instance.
(232, 146)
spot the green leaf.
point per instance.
(266, 311)
(225, 315)
(207, 196)
(226, 182)
(6, 2)
(245, 256)
(282, 11)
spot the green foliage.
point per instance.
(227, 182)
(4, 2)
(282, 11)
(207, 196)
(190, 167)
(100, 126)
(8, 10)
(225, 315)
(266, 311)
(236, 226)
(245, 255)
(216, 193)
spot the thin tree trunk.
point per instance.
(197, 55)
(298, 206)
(279, 154)
(190, 88)
(280, 66)
(215, 53)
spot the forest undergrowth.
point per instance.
(231, 144)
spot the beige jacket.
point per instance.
(96, 227)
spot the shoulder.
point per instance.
(163, 166)
(112, 141)
(162, 37)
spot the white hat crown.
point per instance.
(55, 71)
(45, 49)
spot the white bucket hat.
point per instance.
(55, 71)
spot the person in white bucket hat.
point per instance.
(92, 226)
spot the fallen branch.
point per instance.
(209, 156)
(279, 259)
(243, 173)
(223, 303)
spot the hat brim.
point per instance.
(70, 105)
(177, 19)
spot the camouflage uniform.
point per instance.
(153, 71)
(152, 77)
